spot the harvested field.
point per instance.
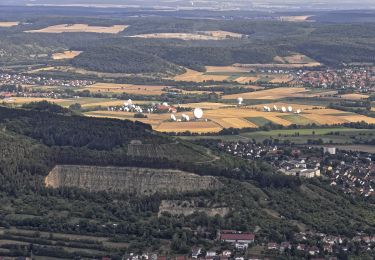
(193, 126)
(8, 24)
(359, 118)
(225, 69)
(279, 93)
(206, 105)
(245, 80)
(66, 28)
(221, 116)
(196, 76)
(281, 65)
(232, 122)
(281, 79)
(126, 88)
(296, 18)
(65, 55)
(202, 36)
(294, 106)
(275, 93)
(325, 119)
(354, 96)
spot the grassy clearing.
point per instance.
(297, 119)
(259, 121)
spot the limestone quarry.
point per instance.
(139, 181)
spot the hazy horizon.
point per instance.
(292, 5)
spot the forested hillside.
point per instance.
(33, 142)
(331, 44)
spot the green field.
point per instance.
(301, 136)
(259, 121)
(297, 119)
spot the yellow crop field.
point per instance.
(277, 120)
(281, 79)
(65, 55)
(326, 119)
(219, 117)
(275, 93)
(296, 18)
(65, 28)
(360, 118)
(8, 24)
(196, 76)
(225, 69)
(354, 96)
(244, 80)
(233, 122)
(279, 105)
(126, 88)
(206, 105)
(202, 35)
(193, 126)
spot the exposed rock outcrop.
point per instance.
(140, 181)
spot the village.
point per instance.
(351, 172)
(26, 80)
(360, 78)
(240, 246)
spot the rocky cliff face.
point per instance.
(140, 181)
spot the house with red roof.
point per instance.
(241, 240)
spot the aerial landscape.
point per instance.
(175, 129)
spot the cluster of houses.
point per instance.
(293, 164)
(20, 80)
(361, 78)
(354, 172)
(304, 244)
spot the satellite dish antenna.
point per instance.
(283, 109)
(130, 102)
(198, 113)
(275, 108)
(290, 109)
(240, 100)
(173, 117)
(185, 117)
(298, 111)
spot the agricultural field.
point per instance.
(196, 76)
(76, 28)
(8, 24)
(231, 74)
(206, 105)
(174, 151)
(217, 117)
(354, 96)
(297, 59)
(295, 18)
(126, 88)
(202, 36)
(279, 93)
(84, 102)
(193, 126)
(65, 55)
